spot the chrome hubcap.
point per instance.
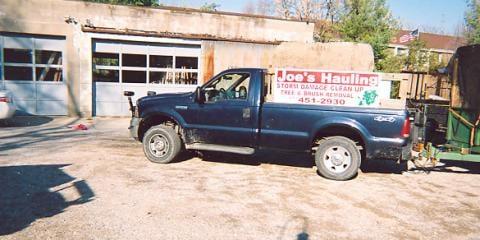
(337, 159)
(158, 145)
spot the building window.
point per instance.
(106, 59)
(134, 76)
(18, 73)
(48, 57)
(49, 74)
(134, 60)
(32, 63)
(105, 75)
(17, 55)
(161, 61)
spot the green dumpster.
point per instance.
(464, 129)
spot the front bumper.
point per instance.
(134, 126)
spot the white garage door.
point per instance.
(140, 67)
(32, 68)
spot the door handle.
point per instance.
(246, 113)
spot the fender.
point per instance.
(341, 122)
(164, 112)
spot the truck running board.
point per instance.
(220, 148)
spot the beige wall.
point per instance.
(218, 56)
(48, 17)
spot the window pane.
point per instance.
(105, 59)
(105, 75)
(186, 62)
(17, 55)
(186, 78)
(134, 76)
(48, 57)
(134, 60)
(49, 74)
(161, 61)
(18, 73)
(161, 77)
(231, 86)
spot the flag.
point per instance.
(409, 37)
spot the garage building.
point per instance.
(76, 58)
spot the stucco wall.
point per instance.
(48, 17)
(218, 56)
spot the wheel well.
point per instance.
(155, 120)
(343, 131)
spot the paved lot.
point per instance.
(96, 184)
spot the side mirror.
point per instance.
(199, 96)
(128, 93)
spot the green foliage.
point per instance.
(472, 22)
(391, 63)
(147, 3)
(212, 7)
(368, 21)
(434, 64)
(417, 57)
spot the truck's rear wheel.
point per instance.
(337, 158)
(161, 144)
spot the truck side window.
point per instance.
(230, 86)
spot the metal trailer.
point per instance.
(463, 125)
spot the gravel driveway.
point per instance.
(58, 183)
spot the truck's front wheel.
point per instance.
(337, 158)
(161, 144)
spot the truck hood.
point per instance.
(165, 96)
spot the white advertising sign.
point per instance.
(319, 87)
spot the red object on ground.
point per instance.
(80, 127)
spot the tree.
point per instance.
(323, 12)
(368, 21)
(211, 7)
(259, 7)
(417, 57)
(391, 63)
(472, 22)
(249, 8)
(129, 2)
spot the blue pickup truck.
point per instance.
(232, 113)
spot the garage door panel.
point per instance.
(109, 109)
(55, 92)
(109, 99)
(26, 106)
(51, 108)
(21, 90)
(35, 75)
(18, 42)
(108, 92)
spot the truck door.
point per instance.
(225, 116)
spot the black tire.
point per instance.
(337, 158)
(158, 136)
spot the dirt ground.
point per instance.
(58, 183)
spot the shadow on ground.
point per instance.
(26, 194)
(450, 166)
(304, 160)
(16, 139)
(25, 121)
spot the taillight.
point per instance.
(5, 99)
(406, 128)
